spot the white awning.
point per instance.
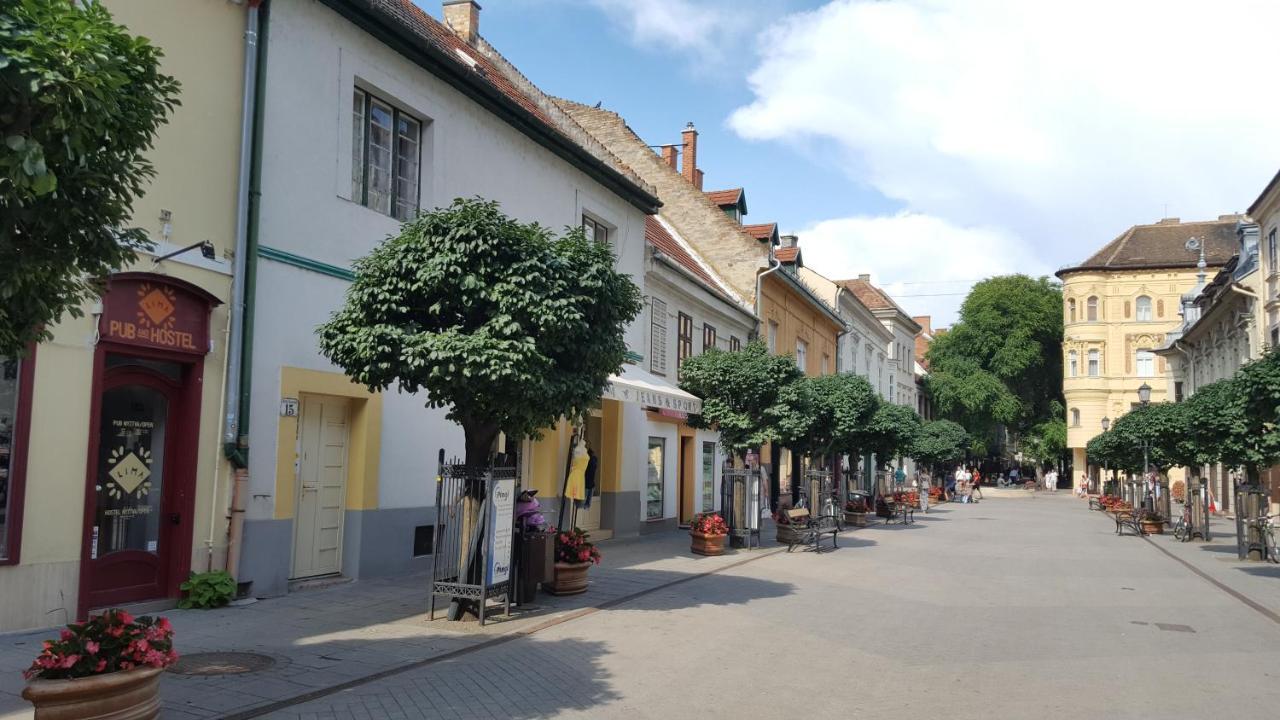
(637, 386)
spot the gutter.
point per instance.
(848, 328)
(774, 266)
(720, 294)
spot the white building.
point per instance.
(372, 111)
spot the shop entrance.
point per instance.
(687, 482)
(321, 486)
(588, 518)
(142, 479)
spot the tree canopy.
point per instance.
(820, 415)
(939, 442)
(740, 391)
(891, 432)
(1001, 363)
(503, 323)
(81, 101)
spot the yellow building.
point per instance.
(1119, 306)
(113, 485)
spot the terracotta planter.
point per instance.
(787, 535)
(701, 544)
(570, 579)
(856, 519)
(126, 695)
(1153, 527)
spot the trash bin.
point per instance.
(537, 563)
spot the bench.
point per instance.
(903, 512)
(1127, 519)
(808, 530)
(1095, 503)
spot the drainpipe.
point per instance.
(774, 266)
(239, 372)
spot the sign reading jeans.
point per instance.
(501, 517)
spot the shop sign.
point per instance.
(652, 398)
(150, 312)
(502, 501)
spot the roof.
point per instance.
(762, 231)
(877, 299)
(733, 196)
(1275, 180)
(659, 234)
(1163, 245)
(787, 254)
(481, 73)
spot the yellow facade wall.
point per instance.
(798, 319)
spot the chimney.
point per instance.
(1169, 221)
(669, 155)
(689, 167)
(697, 179)
(865, 277)
(925, 322)
(789, 241)
(463, 18)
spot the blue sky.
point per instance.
(931, 143)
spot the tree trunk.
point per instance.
(478, 441)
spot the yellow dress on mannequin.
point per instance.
(576, 487)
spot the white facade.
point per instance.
(861, 350)
(310, 225)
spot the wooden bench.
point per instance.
(1128, 519)
(808, 530)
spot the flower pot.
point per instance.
(570, 579)
(856, 519)
(702, 544)
(1153, 527)
(125, 695)
(788, 535)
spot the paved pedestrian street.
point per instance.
(1020, 606)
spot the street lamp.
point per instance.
(1144, 394)
(1106, 471)
(1144, 397)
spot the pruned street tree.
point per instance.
(740, 391)
(891, 432)
(81, 100)
(939, 442)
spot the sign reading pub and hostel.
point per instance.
(153, 313)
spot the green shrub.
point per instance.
(208, 590)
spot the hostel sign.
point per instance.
(156, 312)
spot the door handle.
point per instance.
(309, 487)
(175, 518)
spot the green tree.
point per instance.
(1001, 363)
(739, 392)
(504, 324)
(821, 415)
(81, 101)
(939, 442)
(891, 432)
(1235, 421)
(1161, 428)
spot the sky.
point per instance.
(932, 143)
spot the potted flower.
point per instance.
(855, 512)
(788, 531)
(707, 534)
(575, 554)
(108, 666)
(1152, 523)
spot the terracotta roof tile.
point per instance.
(870, 295)
(1164, 245)
(787, 254)
(656, 235)
(725, 197)
(761, 231)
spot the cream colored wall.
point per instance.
(1118, 335)
(1267, 215)
(196, 161)
(798, 319)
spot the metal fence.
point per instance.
(819, 493)
(743, 493)
(471, 558)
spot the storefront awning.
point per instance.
(637, 386)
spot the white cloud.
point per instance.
(924, 262)
(1054, 126)
(704, 28)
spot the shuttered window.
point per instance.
(684, 338)
(708, 337)
(658, 337)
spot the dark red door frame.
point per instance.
(18, 460)
(184, 442)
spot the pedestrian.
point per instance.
(1051, 480)
(922, 488)
(977, 485)
(952, 480)
(1013, 475)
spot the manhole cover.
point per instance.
(221, 663)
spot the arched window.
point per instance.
(1094, 363)
(1071, 310)
(1075, 417)
(1091, 306)
(1144, 308)
(1073, 364)
(1145, 362)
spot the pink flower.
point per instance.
(66, 634)
(102, 665)
(91, 647)
(69, 661)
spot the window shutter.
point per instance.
(1126, 309)
(1161, 366)
(1160, 308)
(1128, 364)
(658, 336)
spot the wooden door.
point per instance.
(321, 486)
(688, 484)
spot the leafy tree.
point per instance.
(501, 322)
(892, 432)
(1046, 442)
(1218, 427)
(739, 392)
(1235, 421)
(81, 101)
(939, 442)
(1001, 363)
(854, 403)
(1163, 429)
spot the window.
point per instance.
(653, 487)
(385, 157)
(684, 338)
(1275, 337)
(1177, 391)
(802, 355)
(1075, 417)
(708, 337)
(1145, 363)
(708, 476)
(773, 337)
(1272, 263)
(826, 361)
(595, 230)
(424, 537)
(14, 379)
(1073, 364)
(1091, 307)
(657, 337)
(1071, 310)
(1094, 361)
(1143, 304)
(734, 344)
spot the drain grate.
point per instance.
(1172, 627)
(221, 663)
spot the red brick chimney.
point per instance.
(925, 322)
(669, 155)
(463, 18)
(689, 167)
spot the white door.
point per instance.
(322, 486)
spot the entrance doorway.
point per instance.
(139, 517)
(588, 518)
(688, 490)
(321, 486)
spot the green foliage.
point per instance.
(207, 590)
(80, 103)
(739, 392)
(1161, 426)
(820, 415)
(891, 432)
(1001, 364)
(939, 442)
(501, 322)
(1046, 442)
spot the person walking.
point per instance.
(976, 492)
(922, 488)
(952, 480)
(1051, 480)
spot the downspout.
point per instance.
(236, 429)
(774, 265)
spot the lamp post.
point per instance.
(1144, 397)
(1106, 425)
